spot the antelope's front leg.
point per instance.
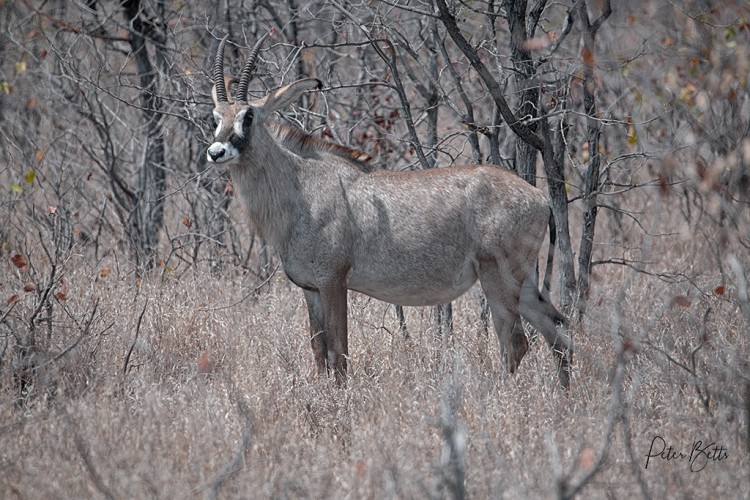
(318, 335)
(333, 298)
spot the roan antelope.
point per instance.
(413, 238)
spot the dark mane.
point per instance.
(307, 146)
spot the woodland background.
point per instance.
(150, 347)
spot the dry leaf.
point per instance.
(681, 301)
(720, 290)
(205, 363)
(106, 271)
(19, 261)
(62, 292)
(629, 346)
(588, 459)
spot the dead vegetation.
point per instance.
(193, 386)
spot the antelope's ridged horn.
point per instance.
(219, 83)
(228, 81)
(248, 68)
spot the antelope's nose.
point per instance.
(215, 152)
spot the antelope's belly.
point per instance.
(413, 284)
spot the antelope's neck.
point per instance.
(267, 180)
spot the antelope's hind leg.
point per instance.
(546, 318)
(502, 291)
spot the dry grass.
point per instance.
(217, 397)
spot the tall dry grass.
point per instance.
(190, 382)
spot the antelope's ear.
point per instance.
(228, 81)
(286, 95)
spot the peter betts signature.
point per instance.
(699, 457)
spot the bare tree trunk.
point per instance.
(493, 135)
(292, 35)
(147, 214)
(554, 157)
(591, 181)
(523, 63)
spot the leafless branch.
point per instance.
(135, 339)
(214, 484)
(89, 462)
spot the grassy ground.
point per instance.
(193, 383)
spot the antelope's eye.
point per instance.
(243, 121)
(247, 120)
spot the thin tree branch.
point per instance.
(518, 127)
